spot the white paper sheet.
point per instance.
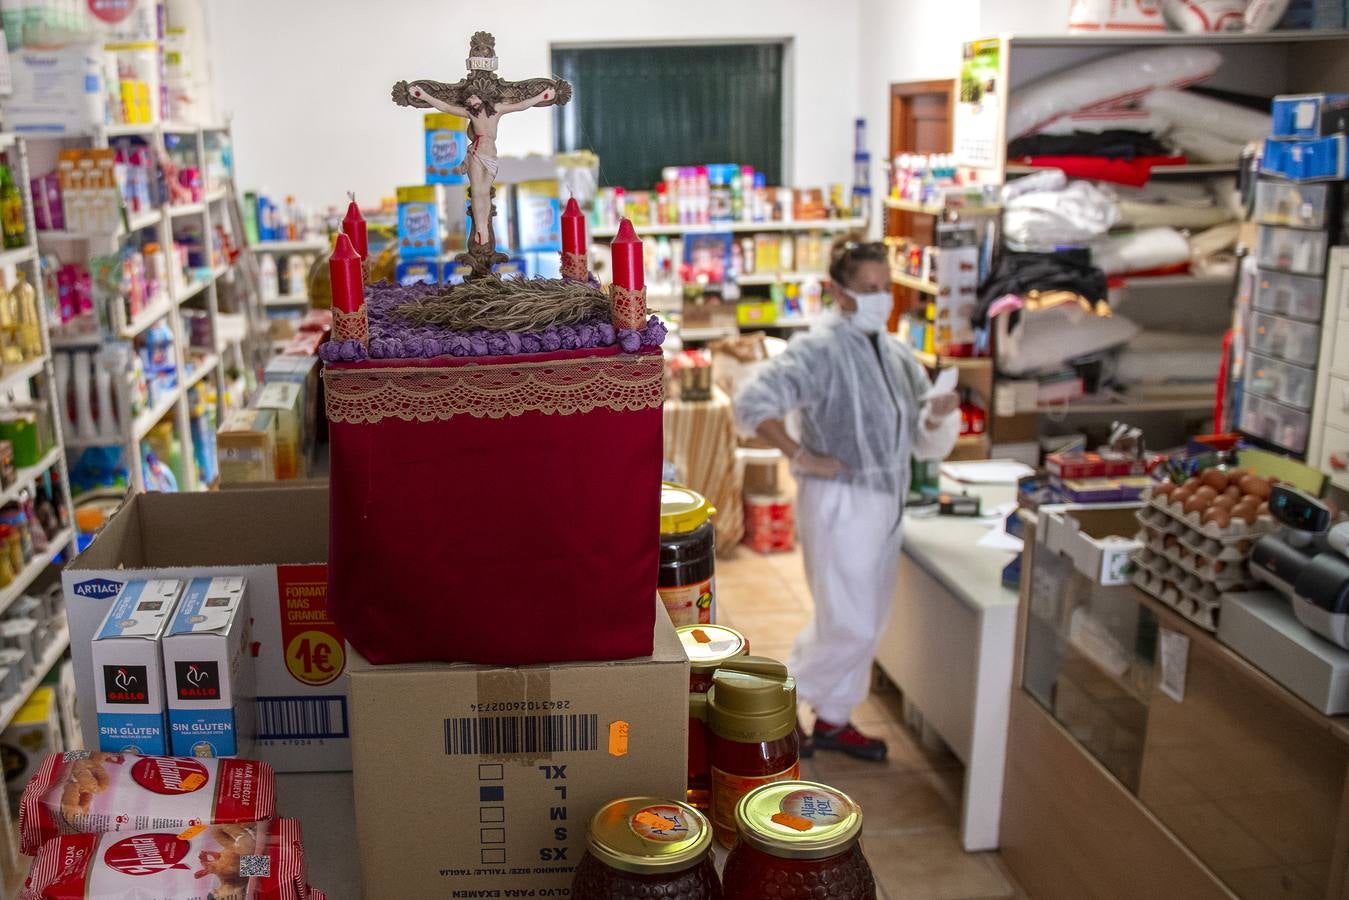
(998, 539)
(987, 471)
(944, 383)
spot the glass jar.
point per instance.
(686, 582)
(708, 647)
(751, 713)
(641, 847)
(798, 839)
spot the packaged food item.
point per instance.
(128, 674)
(647, 847)
(687, 583)
(208, 671)
(708, 648)
(258, 861)
(85, 793)
(798, 839)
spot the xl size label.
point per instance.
(314, 651)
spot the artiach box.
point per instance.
(208, 670)
(480, 781)
(128, 675)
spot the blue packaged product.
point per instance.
(1322, 159)
(538, 215)
(417, 271)
(446, 147)
(1301, 116)
(418, 221)
(128, 672)
(208, 671)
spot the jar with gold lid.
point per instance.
(645, 847)
(798, 839)
(708, 647)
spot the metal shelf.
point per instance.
(708, 334)
(138, 129)
(186, 209)
(918, 284)
(11, 378)
(138, 222)
(937, 209)
(194, 287)
(1164, 282)
(10, 708)
(722, 227)
(287, 300)
(203, 368)
(28, 475)
(18, 255)
(148, 419)
(158, 309)
(933, 361)
(757, 278)
(14, 590)
(300, 246)
(1114, 403)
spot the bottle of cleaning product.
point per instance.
(61, 362)
(298, 265)
(158, 477)
(267, 274)
(84, 413)
(24, 302)
(107, 416)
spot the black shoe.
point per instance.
(847, 739)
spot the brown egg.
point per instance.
(1246, 513)
(1198, 503)
(1255, 486)
(1234, 476)
(1214, 479)
(1232, 491)
(1225, 501)
(1192, 483)
(1163, 488)
(1181, 495)
(1207, 492)
(1262, 509)
(1218, 515)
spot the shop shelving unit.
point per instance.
(201, 287)
(292, 300)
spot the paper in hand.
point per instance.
(944, 383)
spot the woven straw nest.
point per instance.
(508, 304)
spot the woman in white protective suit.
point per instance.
(864, 412)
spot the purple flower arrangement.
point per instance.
(393, 338)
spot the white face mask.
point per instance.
(873, 310)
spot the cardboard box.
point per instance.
(286, 400)
(276, 539)
(208, 671)
(246, 445)
(304, 371)
(479, 781)
(1093, 539)
(1020, 428)
(128, 672)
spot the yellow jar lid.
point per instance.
(682, 510)
(798, 820)
(648, 834)
(708, 646)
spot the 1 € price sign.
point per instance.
(314, 651)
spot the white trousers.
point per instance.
(851, 550)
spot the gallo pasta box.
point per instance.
(208, 670)
(275, 538)
(128, 674)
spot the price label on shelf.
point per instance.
(1175, 656)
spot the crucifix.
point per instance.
(482, 97)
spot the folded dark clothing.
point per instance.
(1114, 144)
(1020, 273)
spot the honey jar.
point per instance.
(708, 647)
(643, 847)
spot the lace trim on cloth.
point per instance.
(351, 326)
(629, 307)
(558, 387)
(574, 267)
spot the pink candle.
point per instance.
(344, 267)
(629, 272)
(573, 228)
(353, 226)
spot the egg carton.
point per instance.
(1200, 610)
(1234, 531)
(1222, 574)
(1172, 531)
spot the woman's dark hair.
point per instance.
(849, 252)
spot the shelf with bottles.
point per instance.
(283, 278)
(932, 185)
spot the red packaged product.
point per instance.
(92, 793)
(257, 861)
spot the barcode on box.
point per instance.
(289, 718)
(505, 735)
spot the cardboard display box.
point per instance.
(276, 539)
(1093, 538)
(480, 781)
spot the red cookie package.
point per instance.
(257, 861)
(93, 793)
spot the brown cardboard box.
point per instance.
(246, 444)
(476, 781)
(1021, 428)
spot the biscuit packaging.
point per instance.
(79, 793)
(128, 673)
(247, 861)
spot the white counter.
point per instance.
(949, 648)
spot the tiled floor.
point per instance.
(912, 800)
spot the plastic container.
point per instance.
(1291, 250)
(687, 580)
(1296, 205)
(1280, 381)
(645, 847)
(751, 713)
(1298, 296)
(801, 840)
(1274, 422)
(1289, 339)
(709, 647)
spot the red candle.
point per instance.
(629, 272)
(344, 267)
(573, 229)
(353, 226)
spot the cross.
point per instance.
(482, 97)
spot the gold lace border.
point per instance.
(553, 387)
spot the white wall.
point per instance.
(307, 81)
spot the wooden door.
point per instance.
(921, 118)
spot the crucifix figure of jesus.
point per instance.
(482, 97)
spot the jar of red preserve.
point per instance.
(751, 714)
(798, 839)
(708, 647)
(644, 847)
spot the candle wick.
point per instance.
(351, 195)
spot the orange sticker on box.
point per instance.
(618, 738)
(313, 649)
(191, 831)
(796, 823)
(193, 781)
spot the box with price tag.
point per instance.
(275, 539)
(480, 780)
